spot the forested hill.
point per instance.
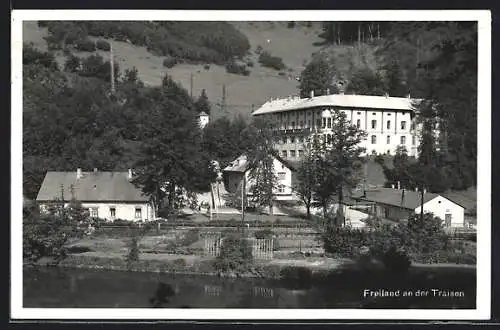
(71, 119)
(216, 59)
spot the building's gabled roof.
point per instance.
(291, 164)
(394, 197)
(92, 186)
(241, 164)
(338, 100)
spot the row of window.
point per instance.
(292, 153)
(288, 115)
(94, 212)
(388, 125)
(327, 123)
(293, 139)
(300, 139)
(401, 141)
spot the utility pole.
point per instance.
(112, 68)
(191, 85)
(422, 205)
(243, 204)
(223, 102)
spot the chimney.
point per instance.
(311, 94)
(392, 186)
(328, 91)
(130, 174)
(408, 96)
(95, 169)
(386, 95)
(399, 185)
(78, 173)
(416, 189)
(425, 191)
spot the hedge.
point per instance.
(103, 45)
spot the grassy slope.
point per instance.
(295, 46)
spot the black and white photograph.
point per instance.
(211, 164)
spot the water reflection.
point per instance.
(55, 288)
(161, 295)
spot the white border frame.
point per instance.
(482, 310)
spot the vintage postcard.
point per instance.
(264, 165)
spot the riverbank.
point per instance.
(193, 265)
(202, 265)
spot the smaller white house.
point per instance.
(398, 204)
(107, 195)
(239, 169)
(203, 119)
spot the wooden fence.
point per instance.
(261, 248)
(213, 243)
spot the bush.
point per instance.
(72, 64)
(169, 62)
(206, 67)
(290, 25)
(123, 223)
(250, 63)
(344, 241)
(85, 45)
(233, 67)
(259, 49)
(281, 73)
(133, 251)
(103, 45)
(235, 254)
(95, 66)
(269, 61)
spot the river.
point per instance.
(70, 288)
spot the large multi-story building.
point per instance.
(388, 121)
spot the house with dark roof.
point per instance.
(398, 204)
(239, 169)
(107, 195)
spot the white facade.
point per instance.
(111, 211)
(284, 189)
(451, 213)
(389, 122)
(106, 195)
(283, 174)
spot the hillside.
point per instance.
(294, 46)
